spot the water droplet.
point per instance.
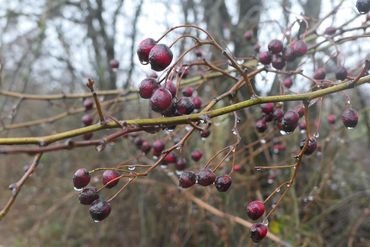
(235, 132)
(203, 139)
(96, 221)
(168, 131)
(131, 168)
(188, 128)
(178, 173)
(270, 181)
(317, 135)
(310, 198)
(266, 222)
(258, 169)
(348, 102)
(303, 131)
(77, 189)
(263, 141)
(170, 174)
(163, 166)
(278, 190)
(100, 147)
(155, 157)
(350, 128)
(284, 133)
(179, 147)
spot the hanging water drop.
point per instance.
(77, 189)
(131, 168)
(263, 141)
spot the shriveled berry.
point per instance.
(145, 147)
(81, 178)
(114, 64)
(206, 177)
(187, 179)
(110, 178)
(158, 146)
(255, 209)
(160, 57)
(299, 48)
(319, 74)
(330, 30)
(363, 6)
(341, 73)
(161, 100)
(267, 107)
(147, 87)
(145, 46)
(181, 164)
(87, 119)
(196, 155)
(88, 104)
(264, 57)
(278, 61)
(171, 87)
(197, 102)
(261, 125)
(185, 105)
(258, 232)
(290, 121)
(311, 146)
(187, 91)
(275, 46)
(99, 210)
(350, 118)
(248, 35)
(170, 158)
(288, 82)
(331, 118)
(223, 183)
(88, 195)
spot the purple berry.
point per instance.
(206, 177)
(330, 30)
(185, 105)
(258, 232)
(147, 87)
(288, 82)
(144, 49)
(187, 179)
(187, 91)
(350, 118)
(278, 61)
(341, 73)
(81, 178)
(87, 119)
(223, 183)
(88, 104)
(290, 121)
(320, 74)
(161, 100)
(181, 164)
(299, 48)
(311, 146)
(197, 102)
(88, 195)
(264, 57)
(114, 64)
(275, 46)
(99, 210)
(261, 125)
(160, 57)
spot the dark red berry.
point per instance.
(223, 183)
(88, 104)
(114, 64)
(147, 87)
(255, 209)
(158, 146)
(288, 82)
(187, 179)
(205, 133)
(300, 110)
(350, 118)
(320, 74)
(261, 125)
(206, 177)
(248, 35)
(145, 147)
(363, 6)
(88, 195)
(264, 57)
(278, 114)
(81, 178)
(160, 57)
(99, 210)
(181, 164)
(196, 155)
(290, 121)
(311, 146)
(171, 87)
(138, 141)
(187, 91)
(341, 73)
(275, 46)
(144, 49)
(330, 30)
(185, 105)
(258, 232)
(170, 158)
(87, 119)
(278, 61)
(110, 178)
(267, 107)
(299, 48)
(197, 102)
(237, 168)
(332, 119)
(161, 100)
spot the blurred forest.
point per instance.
(50, 47)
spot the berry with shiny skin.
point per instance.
(267, 107)
(288, 82)
(114, 64)
(170, 158)
(81, 178)
(206, 177)
(319, 74)
(145, 46)
(277, 61)
(331, 118)
(290, 121)
(185, 105)
(275, 46)
(311, 146)
(197, 102)
(363, 6)
(99, 210)
(187, 91)
(187, 179)
(160, 57)
(88, 195)
(88, 104)
(350, 118)
(87, 119)
(261, 125)
(196, 155)
(181, 164)
(264, 57)
(258, 232)
(341, 73)
(147, 87)
(110, 178)
(255, 209)
(223, 183)
(161, 100)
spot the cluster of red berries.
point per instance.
(278, 55)
(205, 177)
(99, 208)
(158, 55)
(255, 210)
